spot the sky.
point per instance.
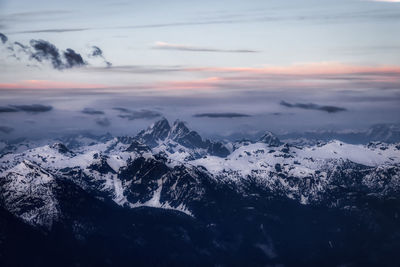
(222, 66)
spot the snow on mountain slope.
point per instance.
(168, 167)
(261, 156)
(355, 153)
(161, 133)
(155, 201)
(26, 190)
(286, 169)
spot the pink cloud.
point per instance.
(325, 75)
(317, 68)
(46, 84)
(206, 83)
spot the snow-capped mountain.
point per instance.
(174, 170)
(162, 132)
(388, 133)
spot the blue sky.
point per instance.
(347, 31)
(247, 56)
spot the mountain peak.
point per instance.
(270, 139)
(181, 134)
(178, 130)
(61, 148)
(157, 131)
(162, 123)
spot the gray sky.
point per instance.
(222, 66)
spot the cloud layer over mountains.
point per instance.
(312, 106)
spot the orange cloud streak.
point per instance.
(207, 83)
(318, 68)
(45, 84)
(308, 75)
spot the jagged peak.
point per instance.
(26, 167)
(178, 128)
(179, 124)
(27, 164)
(162, 123)
(270, 138)
(157, 131)
(137, 146)
(60, 147)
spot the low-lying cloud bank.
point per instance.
(35, 108)
(221, 115)
(91, 111)
(140, 114)
(105, 122)
(6, 130)
(312, 106)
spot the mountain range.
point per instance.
(167, 196)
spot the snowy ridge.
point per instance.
(155, 202)
(27, 192)
(171, 168)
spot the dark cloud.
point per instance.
(123, 110)
(27, 108)
(312, 106)
(46, 51)
(33, 108)
(92, 111)
(17, 49)
(73, 59)
(281, 114)
(103, 122)
(8, 109)
(3, 38)
(97, 52)
(54, 30)
(141, 114)
(21, 45)
(221, 115)
(178, 47)
(30, 121)
(6, 130)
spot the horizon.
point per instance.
(295, 66)
(199, 133)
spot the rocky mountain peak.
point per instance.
(157, 131)
(161, 126)
(61, 148)
(182, 135)
(178, 130)
(270, 139)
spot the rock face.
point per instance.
(270, 139)
(157, 132)
(161, 131)
(168, 190)
(27, 191)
